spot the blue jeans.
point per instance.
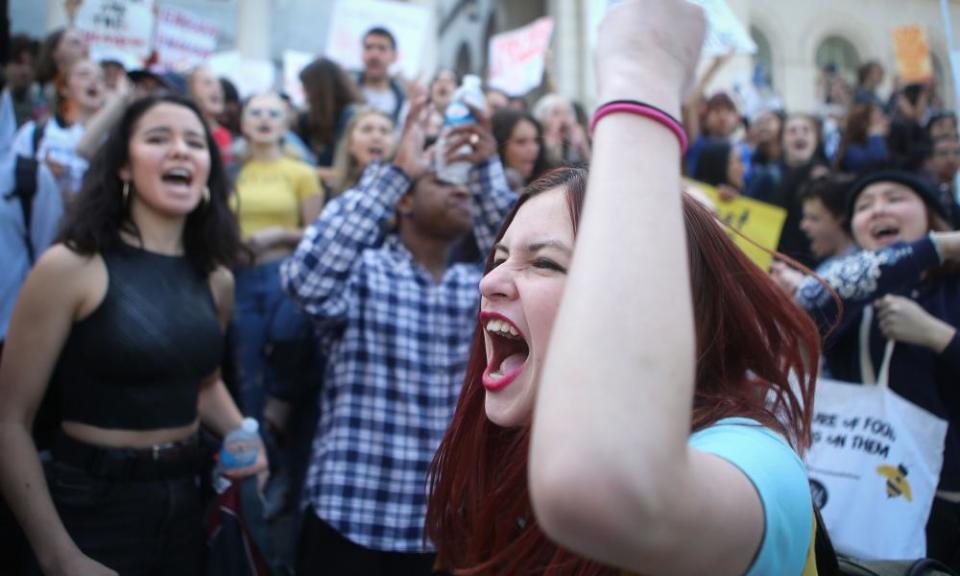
(267, 323)
(275, 353)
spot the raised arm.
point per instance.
(693, 102)
(101, 123)
(57, 292)
(611, 474)
(318, 273)
(492, 197)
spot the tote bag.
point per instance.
(874, 464)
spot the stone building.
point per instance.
(795, 38)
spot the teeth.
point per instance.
(502, 327)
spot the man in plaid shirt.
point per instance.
(396, 318)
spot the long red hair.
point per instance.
(750, 337)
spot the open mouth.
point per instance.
(264, 129)
(177, 177)
(376, 152)
(508, 352)
(885, 233)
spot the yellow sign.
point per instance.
(913, 54)
(747, 219)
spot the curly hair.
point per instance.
(99, 213)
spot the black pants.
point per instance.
(149, 528)
(943, 533)
(323, 550)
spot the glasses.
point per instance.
(269, 112)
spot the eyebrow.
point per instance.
(167, 129)
(535, 247)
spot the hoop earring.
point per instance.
(206, 194)
(125, 191)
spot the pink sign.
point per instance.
(518, 57)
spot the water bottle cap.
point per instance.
(472, 81)
(250, 425)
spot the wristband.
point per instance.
(647, 111)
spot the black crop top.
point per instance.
(137, 360)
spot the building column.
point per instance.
(254, 24)
(568, 51)
(56, 15)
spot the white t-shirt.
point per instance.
(58, 145)
(384, 100)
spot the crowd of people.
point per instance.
(178, 259)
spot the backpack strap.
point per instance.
(25, 186)
(38, 131)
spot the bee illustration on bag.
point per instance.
(897, 484)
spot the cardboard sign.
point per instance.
(912, 53)
(518, 58)
(725, 33)
(874, 467)
(183, 39)
(409, 24)
(747, 219)
(117, 29)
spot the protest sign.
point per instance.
(725, 33)
(912, 54)
(748, 220)
(119, 30)
(351, 20)
(518, 58)
(874, 467)
(293, 63)
(183, 39)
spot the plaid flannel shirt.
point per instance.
(397, 345)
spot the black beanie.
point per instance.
(918, 185)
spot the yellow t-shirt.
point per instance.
(271, 193)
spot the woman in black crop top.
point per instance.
(126, 316)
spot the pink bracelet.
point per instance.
(645, 110)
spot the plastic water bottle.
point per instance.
(241, 446)
(456, 114)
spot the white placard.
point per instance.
(518, 58)
(725, 32)
(183, 39)
(117, 29)
(351, 20)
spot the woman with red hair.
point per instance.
(662, 429)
